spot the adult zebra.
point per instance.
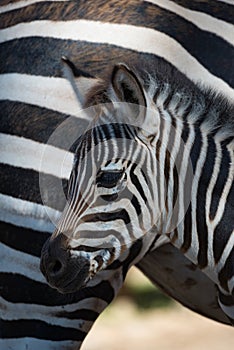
(35, 100)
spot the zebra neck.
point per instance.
(204, 164)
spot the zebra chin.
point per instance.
(64, 272)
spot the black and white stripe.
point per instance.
(36, 99)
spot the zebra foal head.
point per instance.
(112, 201)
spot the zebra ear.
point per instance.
(127, 88)
(81, 81)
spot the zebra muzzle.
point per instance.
(61, 270)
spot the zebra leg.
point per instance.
(226, 302)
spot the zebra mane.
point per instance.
(192, 103)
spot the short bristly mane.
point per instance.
(194, 104)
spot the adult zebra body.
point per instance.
(35, 100)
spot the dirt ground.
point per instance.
(124, 328)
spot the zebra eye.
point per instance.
(108, 179)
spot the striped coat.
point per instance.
(35, 99)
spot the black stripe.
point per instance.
(202, 229)
(185, 133)
(134, 251)
(211, 7)
(226, 299)
(167, 164)
(83, 55)
(187, 239)
(158, 171)
(133, 254)
(176, 171)
(20, 289)
(34, 12)
(225, 227)
(108, 216)
(7, 2)
(196, 148)
(136, 183)
(40, 330)
(39, 123)
(23, 239)
(149, 182)
(85, 248)
(88, 315)
(187, 186)
(24, 184)
(227, 271)
(136, 205)
(174, 236)
(220, 182)
(103, 291)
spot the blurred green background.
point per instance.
(140, 291)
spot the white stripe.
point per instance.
(178, 146)
(148, 41)
(192, 253)
(231, 2)
(48, 92)
(30, 215)
(162, 187)
(29, 154)
(231, 282)
(21, 4)
(37, 344)
(225, 254)
(210, 224)
(48, 314)
(14, 261)
(201, 20)
(184, 192)
(226, 190)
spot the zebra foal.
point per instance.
(154, 167)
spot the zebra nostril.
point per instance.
(55, 267)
